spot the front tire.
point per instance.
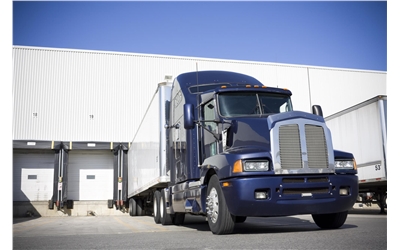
(132, 207)
(330, 221)
(219, 219)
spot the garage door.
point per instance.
(90, 175)
(33, 175)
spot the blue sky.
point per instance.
(333, 34)
(320, 33)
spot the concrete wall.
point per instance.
(80, 208)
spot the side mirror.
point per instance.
(317, 110)
(188, 116)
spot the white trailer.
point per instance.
(362, 130)
(147, 168)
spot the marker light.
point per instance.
(237, 167)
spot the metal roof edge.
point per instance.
(197, 58)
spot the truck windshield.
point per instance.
(252, 104)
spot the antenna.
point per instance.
(197, 84)
(197, 76)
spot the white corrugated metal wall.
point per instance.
(337, 90)
(77, 95)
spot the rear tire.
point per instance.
(139, 207)
(219, 219)
(165, 218)
(382, 198)
(330, 221)
(132, 207)
(156, 207)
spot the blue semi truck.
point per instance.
(224, 146)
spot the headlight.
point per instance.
(256, 166)
(345, 164)
(250, 166)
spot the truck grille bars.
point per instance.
(289, 143)
(316, 147)
(302, 147)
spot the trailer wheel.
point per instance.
(219, 219)
(156, 207)
(166, 219)
(382, 198)
(330, 221)
(132, 207)
(384, 201)
(139, 207)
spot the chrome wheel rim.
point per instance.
(213, 205)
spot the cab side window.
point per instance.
(210, 143)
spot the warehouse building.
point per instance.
(75, 113)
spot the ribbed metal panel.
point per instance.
(290, 147)
(337, 89)
(362, 130)
(78, 95)
(317, 151)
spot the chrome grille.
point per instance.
(316, 147)
(290, 146)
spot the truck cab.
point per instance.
(236, 148)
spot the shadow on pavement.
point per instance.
(367, 211)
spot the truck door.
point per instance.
(178, 136)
